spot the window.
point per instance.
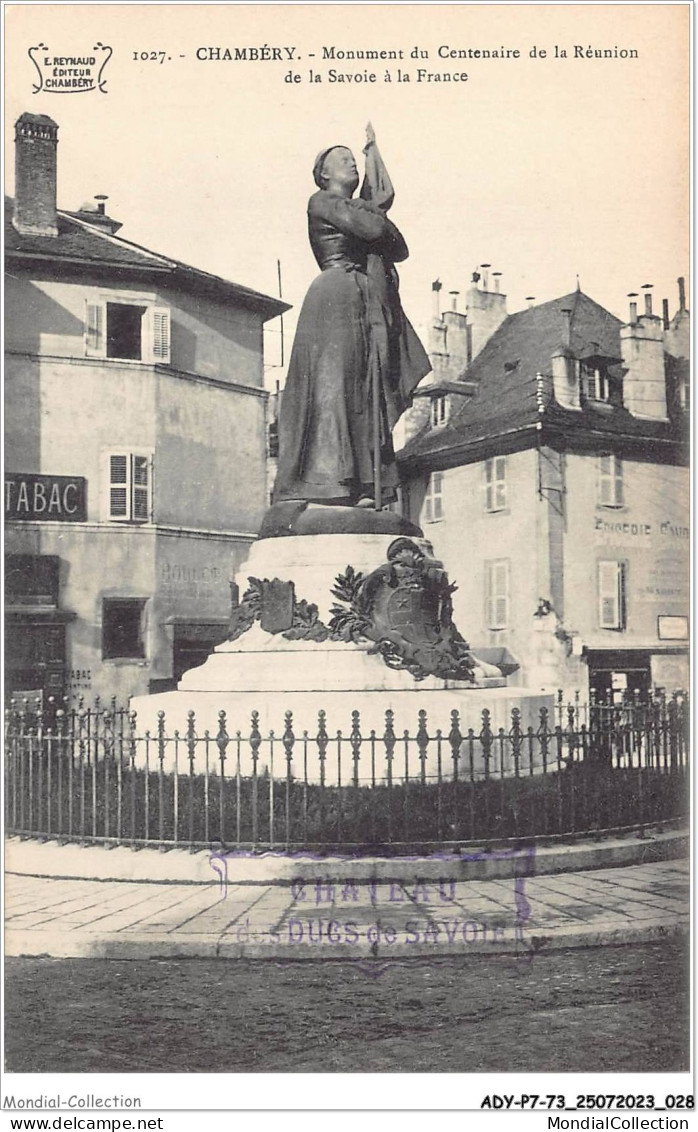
(595, 383)
(496, 483)
(439, 411)
(123, 635)
(130, 477)
(433, 500)
(610, 481)
(684, 391)
(497, 593)
(133, 331)
(612, 591)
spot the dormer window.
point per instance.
(439, 411)
(596, 385)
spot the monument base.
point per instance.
(271, 674)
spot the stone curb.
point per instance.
(141, 945)
(51, 859)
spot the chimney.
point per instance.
(94, 212)
(682, 293)
(496, 275)
(632, 295)
(530, 299)
(567, 323)
(454, 299)
(36, 142)
(642, 350)
(435, 303)
(665, 313)
(565, 378)
(485, 276)
(485, 311)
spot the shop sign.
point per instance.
(672, 628)
(57, 499)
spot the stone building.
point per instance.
(546, 460)
(135, 448)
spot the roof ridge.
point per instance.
(96, 230)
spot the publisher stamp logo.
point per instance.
(70, 74)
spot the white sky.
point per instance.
(544, 168)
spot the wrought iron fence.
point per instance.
(92, 775)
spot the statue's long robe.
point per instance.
(351, 330)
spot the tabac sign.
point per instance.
(58, 499)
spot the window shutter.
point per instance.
(95, 327)
(489, 491)
(605, 497)
(609, 595)
(489, 596)
(501, 589)
(495, 483)
(610, 481)
(118, 487)
(618, 481)
(140, 486)
(500, 492)
(622, 593)
(497, 583)
(437, 501)
(130, 484)
(161, 334)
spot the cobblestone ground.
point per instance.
(594, 1009)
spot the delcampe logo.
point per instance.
(70, 74)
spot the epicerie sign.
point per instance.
(58, 499)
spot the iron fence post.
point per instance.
(288, 741)
(222, 741)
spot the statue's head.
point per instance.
(335, 167)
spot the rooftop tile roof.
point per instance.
(505, 375)
(80, 242)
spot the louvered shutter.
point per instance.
(501, 594)
(497, 582)
(140, 488)
(490, 597)
(95, 329)
(119, 487)
(609, 595)
(437, 501)
(500, 483)
(160, 323)
(605, 482)
(489, 487)
(618, 482)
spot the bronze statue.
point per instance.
(356, 360)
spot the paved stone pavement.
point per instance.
(127, 920)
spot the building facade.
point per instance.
(135, 449)
(549, 469)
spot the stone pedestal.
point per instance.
(272, 675)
